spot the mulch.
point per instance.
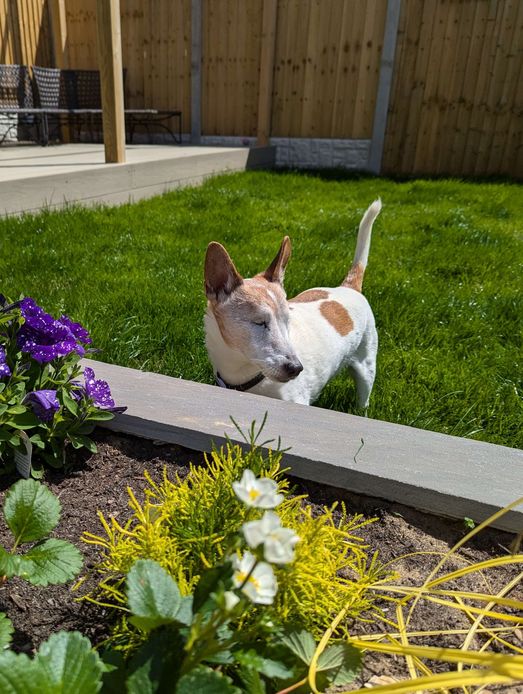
(99, 482)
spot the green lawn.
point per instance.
(444, 281)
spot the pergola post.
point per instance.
(111, 78)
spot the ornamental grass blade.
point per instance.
(153, 596)
(70, 664)
(54, 561)
(31, 511)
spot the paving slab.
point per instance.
(444, 475)
(33, 178)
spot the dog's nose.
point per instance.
(293, 368)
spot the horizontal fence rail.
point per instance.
(456, 96)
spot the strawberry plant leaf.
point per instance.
(153, 596)
(301, 643)
(20, 675)
(54, 561)
(203, 679)
(31, 510)
(69, 664)
(340, 662)
(6, 630)
(12, 565)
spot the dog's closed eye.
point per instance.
(262, 324)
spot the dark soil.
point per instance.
(99, 483)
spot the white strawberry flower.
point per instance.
(258, 492)
(278, 542)
(255, 579)
(231, 600)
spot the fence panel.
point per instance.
(456, 101)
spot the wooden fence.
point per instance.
(456, 101)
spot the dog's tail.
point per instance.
(354, 279)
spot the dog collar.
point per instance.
(242, 387)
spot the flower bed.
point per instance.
(99, 482)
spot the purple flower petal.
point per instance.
(44, 404)
(99, 392)
(77, 329)
(5, 371)
(45, 338)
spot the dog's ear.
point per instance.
(276, 270)
(221, 277)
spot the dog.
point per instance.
(258, 341)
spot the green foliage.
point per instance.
(443, 280)
(6, 631)
(32, 511)
(188, 526)
(64, 664)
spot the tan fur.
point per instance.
(354, 279)
(311, 295)
(338, 316)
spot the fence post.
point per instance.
(111, 78)
(59, 31)
(268, 44)
(384, 85)
(196, 72)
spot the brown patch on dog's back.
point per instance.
(310, 295)
(338, 316)
(354, 279)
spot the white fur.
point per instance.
(299, 331)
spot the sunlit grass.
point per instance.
(444, 281)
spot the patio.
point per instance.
(34, 177)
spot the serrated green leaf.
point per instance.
(155, 666)
(6, 629)
(20, 675)
(203, 679)
(31, 510)
(301, 643)
(54, 561)
(12, 565)
(340, 662)
(251, 680)
(266, 666)
(70, 664)
(153, 596)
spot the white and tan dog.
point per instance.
(260, 342)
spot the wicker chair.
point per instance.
(16, 102)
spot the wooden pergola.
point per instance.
(111, 69)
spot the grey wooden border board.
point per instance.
(440, 474)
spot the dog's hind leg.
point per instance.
(364, 373)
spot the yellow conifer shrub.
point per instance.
(191, 524)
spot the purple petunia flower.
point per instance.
(44, 404)
(99, 392)
(45, 338)
(5, 371)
